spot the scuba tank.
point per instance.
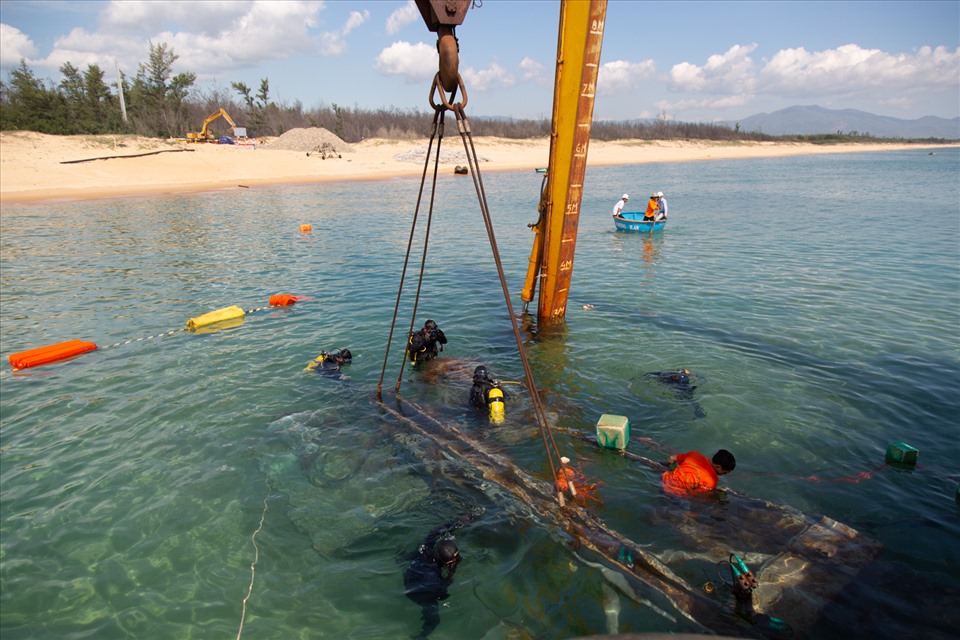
(495, 405)
(316, 362)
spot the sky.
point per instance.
(683, 61)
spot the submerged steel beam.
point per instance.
(812, 558)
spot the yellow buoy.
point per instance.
(227, 313)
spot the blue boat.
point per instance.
(633, 221)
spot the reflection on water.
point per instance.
(134, 475)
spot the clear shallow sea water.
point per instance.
(817, 298)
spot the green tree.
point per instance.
(257, 107)
(29, 105)
(102, 106)
(157, 97)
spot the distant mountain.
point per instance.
(807, 120)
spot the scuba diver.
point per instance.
(329, 364)
(423, 344)
(681, 380)
(431, 571)
(486, 392)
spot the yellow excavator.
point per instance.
(205, 136)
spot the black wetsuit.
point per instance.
(329, 364)
(426, 581)
(480, 392)
(424, 345)
(682, 382)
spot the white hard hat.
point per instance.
(659, 194)
(626, 197)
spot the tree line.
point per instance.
(157, 103)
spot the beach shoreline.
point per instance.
(39, 168)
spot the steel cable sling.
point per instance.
(463, 125)
(435, 134)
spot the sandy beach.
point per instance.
(35, 167)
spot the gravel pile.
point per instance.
(447, 155)
(307, 140)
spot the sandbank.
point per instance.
(36, 168)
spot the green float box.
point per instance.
(613, 432)
(901, 453)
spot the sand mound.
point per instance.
(307, 140)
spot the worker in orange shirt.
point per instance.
(652, 207)
(695, 474)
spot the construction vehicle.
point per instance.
(205, 136)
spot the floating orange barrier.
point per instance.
(283, 300)
(49, 353)
(306, 228)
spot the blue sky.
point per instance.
(687, 61)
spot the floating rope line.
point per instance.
(253, 566)
(61, 351)
(132, 340)
(175, 331)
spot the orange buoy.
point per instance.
(564, 476)
(283, 300)
(306, 228)
(49, 353)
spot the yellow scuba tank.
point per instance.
(316, 362)
(496, 406)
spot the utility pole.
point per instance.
(123, 105)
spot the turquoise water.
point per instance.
(816, 298)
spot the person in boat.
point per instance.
(486, 393)
(661, 206)
(425, 344)
(621, 203)
(431, 571)
(329, 364)
(694, 473)
(653, 206)
(682, 381)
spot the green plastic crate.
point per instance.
(613, 432)
(901, 453)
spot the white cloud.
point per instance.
(710, 104)
(333, 43)
(732, 72)
(530, 69)
(619, 76)
(487, 79)
(14, 45)
(850, 68)
(355, 20)
(414, 62)
(208, 37)
(731, 78)
(81, 48)
(402, 17)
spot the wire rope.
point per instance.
(463, 125)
